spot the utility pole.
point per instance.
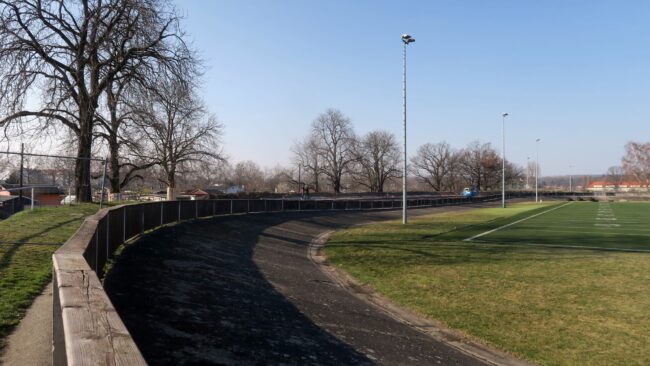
(503, 161)
(22, 158)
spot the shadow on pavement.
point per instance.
(192, 294)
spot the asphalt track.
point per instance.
(242, 290)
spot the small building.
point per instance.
(43, 195)
(626, 186)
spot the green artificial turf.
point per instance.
(550, 305)
(27, 241)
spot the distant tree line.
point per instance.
(332, 157)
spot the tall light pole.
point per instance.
(527, 172)
(406, 39)
(503, 160)
(536, 168)
(570, 179)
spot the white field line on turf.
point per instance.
(516, 222)
(561, 246)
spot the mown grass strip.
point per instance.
(553, 306)
(27, 241)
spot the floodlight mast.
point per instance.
(503, 161)
(406, 39)
(536, 168)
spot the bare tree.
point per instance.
(249, 174)
(177, 130)
(615, 175)
(480, 165)
(433, 164)
(309, 161)
(68, 52)
(378, 158)
(636, 161)
(332, 132)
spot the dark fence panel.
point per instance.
(188, 210)
(223, 207)
(90, 254)
(103, 248)
(205, 208)
(152, 213)
(257, 206)
(170, 211)
(240, 206)
(275, 205)
(116, 229)
(133, 220)
(10, 207)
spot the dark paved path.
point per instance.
(242, 291)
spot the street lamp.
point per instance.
(406, 39)
(503, 160)
(536, 168)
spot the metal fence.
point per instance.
(86, 327)
(10, 206)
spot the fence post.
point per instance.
(231, 206)
(142, 227)
(214, 207)
(248, 205)
(32, 208)
(162, 207)
(282, 207)
(196, 209)
(266, 208)
(298, 205)
(332, 204)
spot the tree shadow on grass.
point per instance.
(13, 247)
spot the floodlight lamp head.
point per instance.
(406, 38)
(504, 114)
(538, 140)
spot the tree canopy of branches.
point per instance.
(636, 161)
(177, 130)
(434, 164)
(70, 51)
(378, 157)
(332, 132)
(307, 157)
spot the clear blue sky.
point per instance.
(574, 73)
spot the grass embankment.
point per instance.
(27, 241)
(553, 306)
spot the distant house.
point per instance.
(43, 195)
(604, 186)
(219, 189)
(194, 194)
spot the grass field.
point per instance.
(517, 288)
(27, 241)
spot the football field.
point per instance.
(557, 283)
(602, 225)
